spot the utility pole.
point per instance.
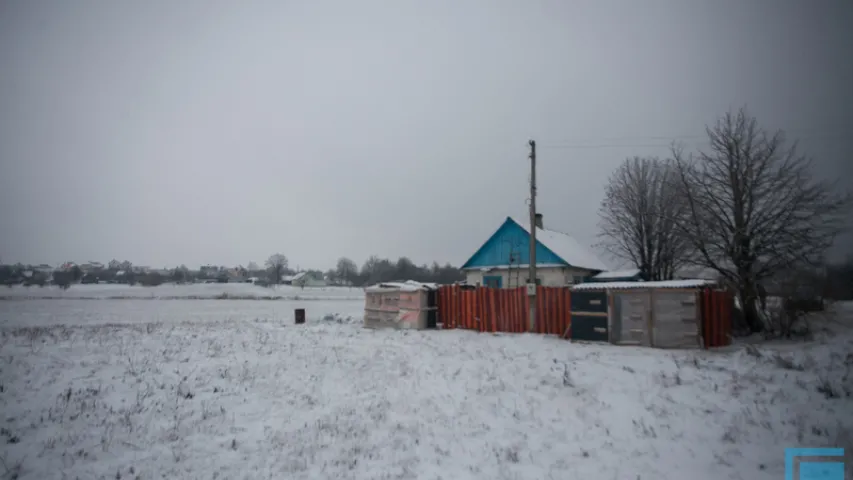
(531, 281)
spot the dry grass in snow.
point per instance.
(254, 399)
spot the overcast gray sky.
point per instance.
(169, 132)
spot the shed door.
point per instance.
(590, 328)
(631, 317)
(584, 301)
(589, 316)
(493, 281)
(675, 322)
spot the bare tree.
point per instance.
(638, 214)
(754, 208)
(276, 264)
(331, 276)
(346, 270)
(181, 274)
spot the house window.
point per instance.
(577, 279)
(493, 281)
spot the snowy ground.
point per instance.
(245, 291)
(252, 396)
(45, 313)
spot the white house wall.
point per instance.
(549, 276)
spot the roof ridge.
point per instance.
(567, 247)
(527, 227)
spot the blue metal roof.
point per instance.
(510, 245)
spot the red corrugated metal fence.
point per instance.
(504, 309)
(507, 310)
(717, 306)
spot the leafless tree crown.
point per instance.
(638, 214)
(276, 264)
(754, 207)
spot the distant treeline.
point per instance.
(346, 273)
(377, 270)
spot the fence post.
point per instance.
(567, 304)
(727, 318)
(709, 326)
(495, 309)
(611, 311)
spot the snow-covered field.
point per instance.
(184, 292)
(252, 396)
(45, 313)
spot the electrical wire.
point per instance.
(620, 142)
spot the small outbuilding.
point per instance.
(407, 305)
(666, 314)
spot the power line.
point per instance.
(611, 145)
(617, 142)
(648, 137)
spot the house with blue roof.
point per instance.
(503, 261)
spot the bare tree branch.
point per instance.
(638, 215)
(276, 264)
(754, 208)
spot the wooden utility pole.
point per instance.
(531, 281)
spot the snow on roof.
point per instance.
(641, 285)
(697, 272)
(618, 274)
(407, 286)
(567, 248)
(298, 276)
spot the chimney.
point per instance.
(539, 221)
